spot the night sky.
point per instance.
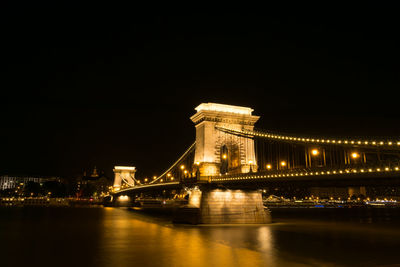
(103, 86)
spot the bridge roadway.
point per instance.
(345, 177)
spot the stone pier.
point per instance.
(223, 206)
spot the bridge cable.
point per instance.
(190, 149)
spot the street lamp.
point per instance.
(314, 152)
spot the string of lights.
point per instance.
(148, 186)
(346, 171)
(386, 144)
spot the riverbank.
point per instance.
(47, 202)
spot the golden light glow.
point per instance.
(197, 163)
(269, 166)
(224, 108)
(185, 171)
(224, 156)
(126, 168)
(145, 179)
(283, 163)
(182, 167)
(168, 175)
(314, 152)
(123, 198)
(250, 162)
(355, 155)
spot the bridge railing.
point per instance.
(320, 171)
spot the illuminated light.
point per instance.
(398, 143)
(317, 140)
(355, 155)
(124, 168)
(269, 166)
(250, 162)
(312, 140)
(123, 198)
(378, 170)
(172, 178)
(315, 152)
(374, 143)
(307, 140)
(328, 141)
(396, 168)
(359, 142)
(334, 172)
(345, 141)
(283, 163)
(182, 167)
(197, 163)
(354, 171)
(370, 170)
(162, 180)
(352, 142)
(185, 171)
(154, 177)
(340, 141)
(386, 169)
(333, 141)
(389, 143)
(224, 108)
(302, 139)
(340, 171)
(145, 179)
(381, 143)
(224, 156)
(361, 170)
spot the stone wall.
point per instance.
(219, 206)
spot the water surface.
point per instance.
(120, 237)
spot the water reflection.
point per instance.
(126, 238)
(119, 237)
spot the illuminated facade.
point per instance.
(11, 182)
(218, 152)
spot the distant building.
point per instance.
(11, 182)
(96, 184)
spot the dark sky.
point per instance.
(105, 86)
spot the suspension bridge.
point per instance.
(231, 160)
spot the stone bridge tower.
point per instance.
(219, 152)
(124, 174)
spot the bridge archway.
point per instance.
(212, 145)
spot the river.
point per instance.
(121, 237)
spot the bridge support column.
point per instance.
(223, 206)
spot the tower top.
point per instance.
(224, 108)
